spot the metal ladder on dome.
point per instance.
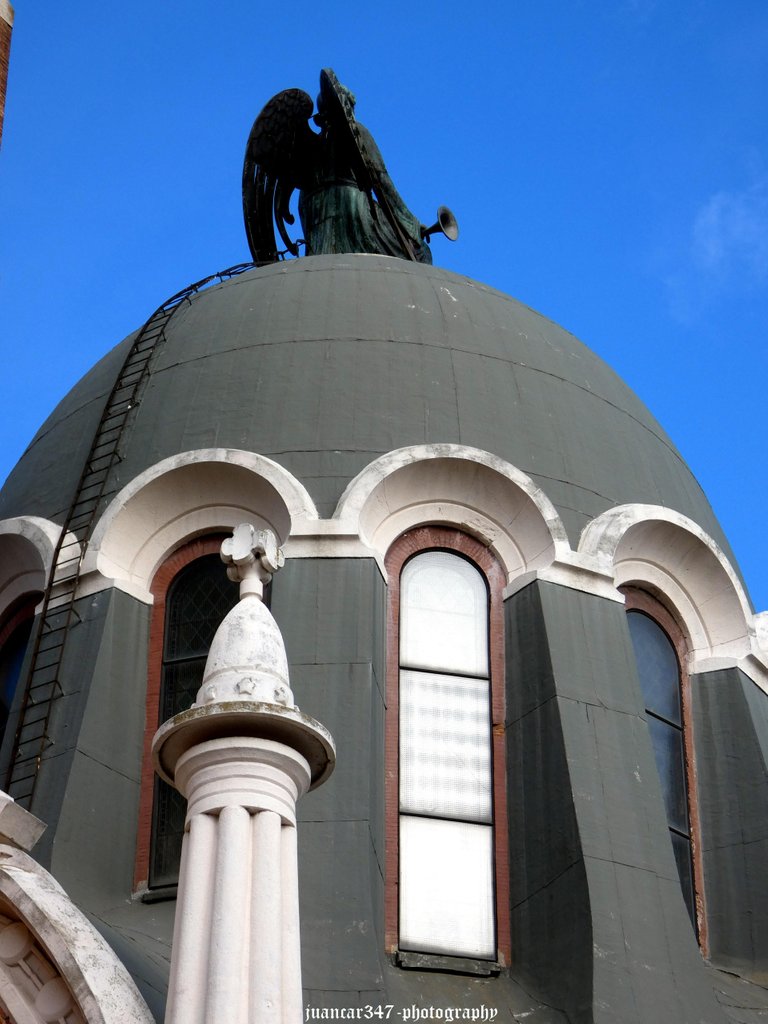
(58, 614)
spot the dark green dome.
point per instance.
(325, 363)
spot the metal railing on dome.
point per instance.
(43, 684)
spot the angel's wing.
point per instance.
(278, 156)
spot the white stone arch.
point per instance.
(27, 544)
(54, 965)
(670, 555)
(185, 496)
(454, 484)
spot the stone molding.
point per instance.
(666, 553)
(444, 484)
(455, 485)
(27, 544)
(187, 495)
(258, 774)
(85, 980)
(18, 827)
(245, 718)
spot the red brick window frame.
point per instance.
(418, 541)
(637, 600)
(161, 585)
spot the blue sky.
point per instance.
(607, 161)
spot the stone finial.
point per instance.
(252, 557)
(247, 660)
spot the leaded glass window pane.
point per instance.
(197, 601)
(445, 763)
(181, 681)
(443, 615)
(169, 814)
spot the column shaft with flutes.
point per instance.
(242, 756)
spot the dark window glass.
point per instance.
(15, 632)
(11, 660)
(668, 748)
(682, 849)
(197, 601)
(657, 667)
(659, 672)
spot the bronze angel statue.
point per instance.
(347, 200)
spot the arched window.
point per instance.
(447, 848)
(15, 631)
(197, 600)
(660, 653)
(192, 596)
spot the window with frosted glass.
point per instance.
(446, 818)
(659, 672)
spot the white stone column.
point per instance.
(242, 756)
